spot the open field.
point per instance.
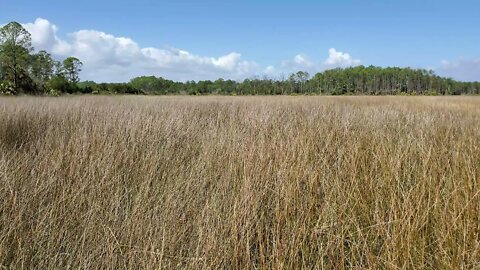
(240, 182)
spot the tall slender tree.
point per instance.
(42, 67)
(72, 67)
(15, 47)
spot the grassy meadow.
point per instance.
(127, 182)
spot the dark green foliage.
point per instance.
(154, 85)
(15, 46)
(87, 87)
(7, 88)
(387, 81)
(90, 87)
(62, 85)
(348, 81)
(71, 68)
(41, 67)
(24, 72)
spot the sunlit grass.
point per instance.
(240, 182)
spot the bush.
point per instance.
(431, 93)
(7, 88)
(53, 93)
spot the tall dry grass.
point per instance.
(240, 183)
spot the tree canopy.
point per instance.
(37, 73)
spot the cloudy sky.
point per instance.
(193, 40)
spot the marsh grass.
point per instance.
(240, 183)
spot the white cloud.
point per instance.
(110, 58)
(44, 37)
(299, 61)
(270, 70)
(228, 61)
(302, 60)
(340, 59)
(462, 69)
(305, 63)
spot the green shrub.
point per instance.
(7, 88)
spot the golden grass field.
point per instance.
(240, 183)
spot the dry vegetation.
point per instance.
(240, 182)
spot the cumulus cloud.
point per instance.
(301, 59)
(462, 69)
(110, 58)
(340, 59)
(298, 62)
(44, 37)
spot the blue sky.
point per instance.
(236, 39)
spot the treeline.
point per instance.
(22, 71)
(355, 80)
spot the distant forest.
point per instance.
(25, 72)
